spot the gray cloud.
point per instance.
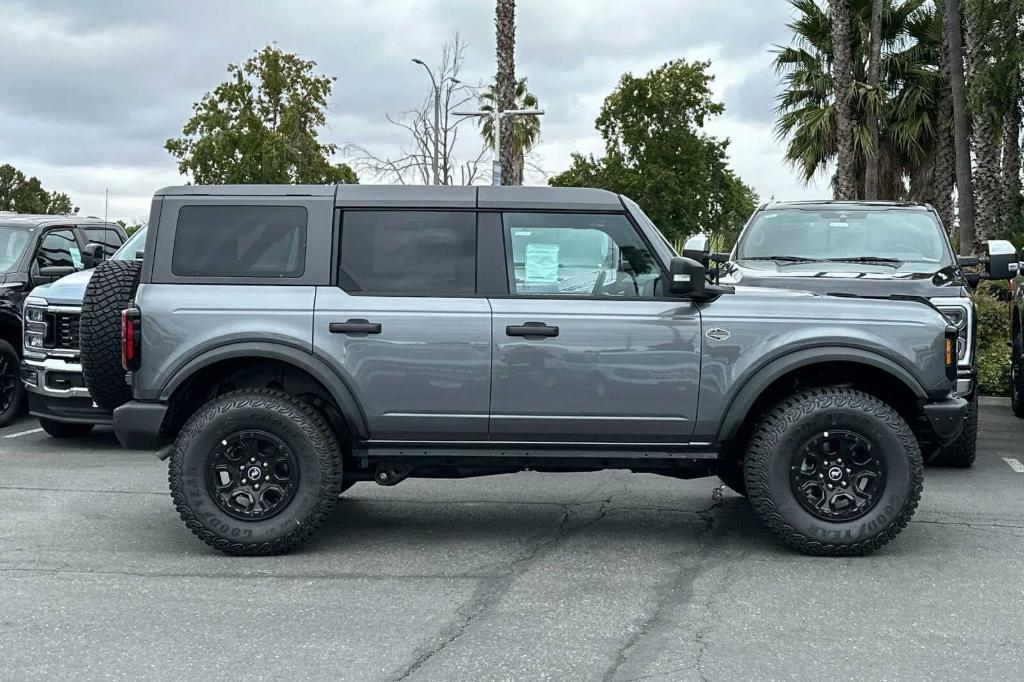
(91, 90)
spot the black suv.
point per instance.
(874, 249)
(37, 250)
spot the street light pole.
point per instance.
(496, 117)
(437, 118)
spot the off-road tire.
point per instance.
(64, 429)
(960, 453)
(10, 363)
(301, 427)
(111, 289)
(1017, 375)
(789, 425)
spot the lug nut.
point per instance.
(847, 471)
(245, 481)
(830, 486)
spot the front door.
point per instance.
(586, 347)
(404, 326)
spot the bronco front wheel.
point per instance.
(834, 471)
(255, 472)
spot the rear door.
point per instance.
(404, 324)
(586, 349)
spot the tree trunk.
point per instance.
(872, 112)
(1011, 166)
(943, 176)
(985, 135)
(961, 129)
(505, 80)
(845, 187)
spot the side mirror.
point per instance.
(696, 248)
(56, 271)
(139, 254)
(92, 254)
(1001, 259)
(686, 277)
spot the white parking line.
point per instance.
(25, 433)
(1015, 464)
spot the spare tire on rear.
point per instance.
(111, 290)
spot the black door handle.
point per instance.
(354, 327)
(531, 329)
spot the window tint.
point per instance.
(563, 254)
(110, 239)
(240, 241)
(59, 249)
(416, 253)
(13, 241)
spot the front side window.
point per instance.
(410, 253)
(133, 247)
(59, 248)
(562, 254)
(898, 236)
(13, 241)
(240, 241)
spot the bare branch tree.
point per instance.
(413, 165)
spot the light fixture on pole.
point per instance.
(496, 117)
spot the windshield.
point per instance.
(888, 235)
(13, 241)
(135, 243)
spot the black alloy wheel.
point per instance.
(836, 476)
(253, 475)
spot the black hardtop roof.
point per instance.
(33, 220)
(422, 196)
(831, 204)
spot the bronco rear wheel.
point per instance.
(834, 471)
(255, 472)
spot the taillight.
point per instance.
(131, 339)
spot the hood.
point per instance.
(68, 290)
(860, 279)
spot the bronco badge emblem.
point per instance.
(717, 334)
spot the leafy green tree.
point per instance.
(525, 130)
(26, 195)
(657, 154)
(262, 126)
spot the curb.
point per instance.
(993, 401)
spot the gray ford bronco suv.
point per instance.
(294, 340)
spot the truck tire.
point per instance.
(247, 436)
(1017, 375)
(12, 391)
(111, 289)
(961, 452)
(856, 441)
(64, 429)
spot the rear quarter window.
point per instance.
(240, 241)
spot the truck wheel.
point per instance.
(64, 429)
(12, 391)
(110, 290)
(961, 452)
(255, 472)
(1017, 375)
(834, 471)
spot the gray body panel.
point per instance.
(425, 376)
(619, 371)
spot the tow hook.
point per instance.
(717, 496)
(391, 474)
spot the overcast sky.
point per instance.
(90, 90)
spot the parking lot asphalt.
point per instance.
(611, 575)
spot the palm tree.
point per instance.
(874, 108)
(982, 39)
(505, 78)
(842, 77)
(1012, 75)
(961, 127)
(525, 130)
(905, 100)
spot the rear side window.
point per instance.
(110, 239)
(412, 253)
(240, 241)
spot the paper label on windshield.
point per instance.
(76, 256)
(542, 263)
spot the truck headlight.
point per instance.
(36, 327)
(960, 318)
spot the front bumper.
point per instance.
(947, 417)
(137, 424)
(57, 392)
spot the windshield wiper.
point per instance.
(867, 259)
(787, 259)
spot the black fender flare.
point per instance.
(752, 388)
(300, 359)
